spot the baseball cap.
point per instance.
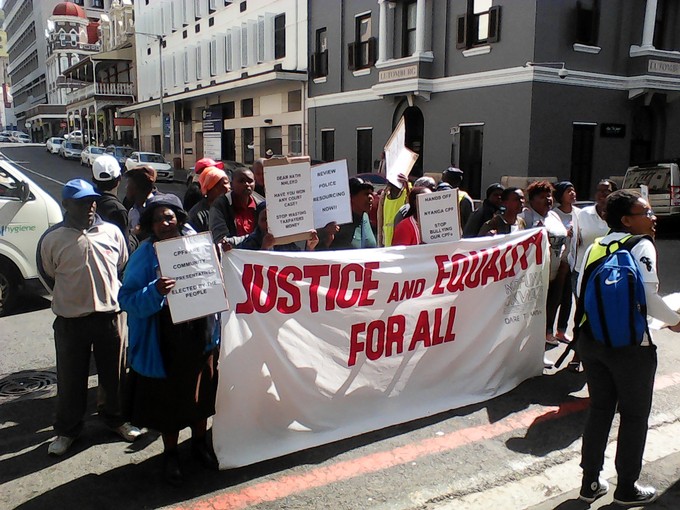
(105, 168)
(204, 163)
(78, 188)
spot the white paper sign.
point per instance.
(438, 216)
(212, 145)
(192, 262)
(290, 208)
(398, 159)
(330, 189)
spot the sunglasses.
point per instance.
(649, 213)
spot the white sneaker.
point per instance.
(60, 445)
(551, 340)
(547, 363)
(128, 432)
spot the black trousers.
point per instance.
(622, 377)
(75, 339)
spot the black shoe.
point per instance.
(204, 454)
(635, 495)
(172, 474)
(593, 489)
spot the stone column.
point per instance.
(382, 38)
(420, 27)
(650, 20)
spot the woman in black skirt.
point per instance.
(173, 377)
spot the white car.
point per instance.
(20, 138)
(89, 154)
(74, 136)
(163, 169)
(71, 150)
(54, 144)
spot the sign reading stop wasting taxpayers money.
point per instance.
(438, 216)
(330, 188)
(192, 262)
(290, 209)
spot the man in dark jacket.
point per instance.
(106, 177)
(490, 206)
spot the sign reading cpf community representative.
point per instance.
(199, 289)
(438, 216)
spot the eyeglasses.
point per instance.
(649, 213)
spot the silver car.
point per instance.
(71, 150)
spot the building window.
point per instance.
(295, 139)
(364, 150)
(186, 65)
(328, 145)
(479, 25)
(229, 110)
(244, 45)
(319, 63)
(198, 9)
(199, 70)
(247, 107)
(260, 39)
(280, 36)
(248, 145)
(213, 57)
(362, 52)
(664, 27)
(587, 21)
(470, 161)
(98, 4)
(271, 139)
(212, 6)
(409, 37)
(294, 101)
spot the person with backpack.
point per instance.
(618, 288)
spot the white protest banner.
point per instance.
(192, 262)
(438, 216)
(398, 158)
(321, 346)
(290, 208)
(330, 189)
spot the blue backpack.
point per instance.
(614, 305)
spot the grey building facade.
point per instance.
(576, 89)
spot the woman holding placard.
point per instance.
(173, 377)
(407, 232)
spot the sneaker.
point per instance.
(635, 496)
(60, 445)
(547, 363)
(561, 337)
(551, 340)
(590, 491)
(128, 432)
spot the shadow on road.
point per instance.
(29, 303)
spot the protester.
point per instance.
(488, 209)
(106, 177)
(258, 174)
(262, 239)
(454, 178)
(512, 204)
(232, 216)
(389, 203)
(424, 181)
(214, 183)
(622, 378)
(565, 196)
(407, 233)
(141, 185)
(193, 193)
(173, 378)
(359, 233)
(79, 261)
(539, 214)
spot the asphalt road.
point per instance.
(517, 451)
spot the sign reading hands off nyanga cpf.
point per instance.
(321, 346)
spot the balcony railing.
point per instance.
(101, 89)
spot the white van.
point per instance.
(663, 183)
(26, 211)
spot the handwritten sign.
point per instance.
(438, 216)
(398, 158)
(290, 208)
(192, 262)
(330, 188)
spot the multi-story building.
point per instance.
(577, 89)
(233, 77)
(25, 23)
(7, 119)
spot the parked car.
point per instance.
(163, 169)
(89, 154)
(662, 180)
(19, 137)
(54, 144)
(5, 138)
(71, 150)
(120, 153)
(74, 136)
(27, 212)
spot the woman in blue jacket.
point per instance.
(173, 379)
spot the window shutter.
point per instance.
(323, 63)
(494, 24)
(352, 56)
(461, 35)
(313, 63)
(372, 51)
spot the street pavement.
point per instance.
(517, 451)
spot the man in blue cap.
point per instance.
(79, 261)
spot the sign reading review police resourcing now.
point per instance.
(438, 216)
(192, 262)
(290, 209)
(330, 188)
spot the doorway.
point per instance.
(582, 142)
(470, 159)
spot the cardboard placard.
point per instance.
(330, 189)
(192, 262)
(290, 207)
(398, 158)
(439, 216)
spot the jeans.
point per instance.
(74, 339)
(623, 378)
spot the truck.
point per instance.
(661, 181)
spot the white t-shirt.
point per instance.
(570, 221)
(589, 227)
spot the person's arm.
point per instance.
(646, 258)
(45, 264)
(218, 219)
(139, 295)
